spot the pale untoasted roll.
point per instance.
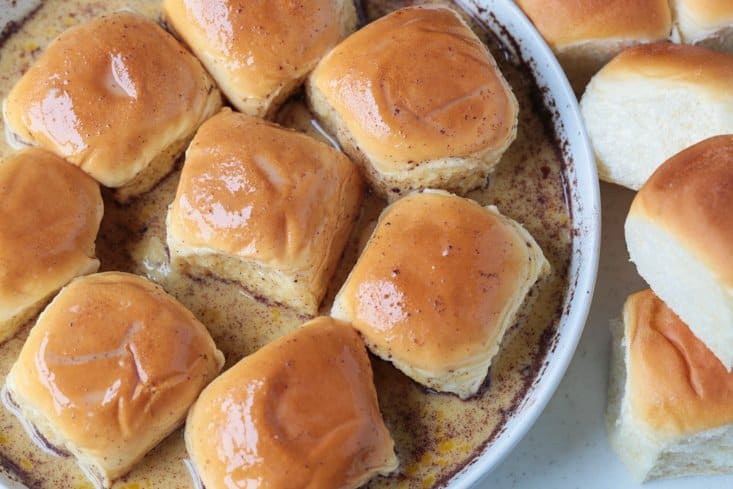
(49, 217)
(417, 100)
(300, 412)
(705, 22)
(585, 34)
(679, 232)
(117, 96)
(267, 207)
(260, 52)
(653, 101)
(670, 400)
(437, 285)
(109, 370)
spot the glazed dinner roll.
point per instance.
(417, 100)
(117, 96)
(300, 412)
(679, 232)
(438, 283)
(670, 400)
(109, 370)
(49, 217)
(586, 34)
(705, 22)
(653, 101)
(259, 52)
(264, 206)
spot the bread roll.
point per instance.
(49, 217)
(680, 235)
(416, 99)
(117, 96)
(260, 52)
(436, 287)
(670, 400)
(300, 412)
(109, 370)
(586, 34)
(705, 22)
(264, 206)
(653, 101)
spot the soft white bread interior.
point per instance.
(305, 404)
(679, 232)
(126, 110)
(438, 283)
(49, 217)
(260, 52)
(670, 400)
(417, 101)
(109, 370)
(653, 101)
(586, 34)
(708, 23)
(264, 206)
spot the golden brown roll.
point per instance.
(653, 101)
(417, 100)
(117, 96)
(585, 34)
(49, 217)
(109, 370)
(300, 412)
(260, 52)
(264, 206)
(437, 285)
(679, 232)
(705, 22)
(670, 411)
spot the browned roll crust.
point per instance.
(416, 99)
(49, 217)
(260, 52)
(110, 369)
(265, 206)
(117, 96)
(300, 412)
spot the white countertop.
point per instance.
(567, 448)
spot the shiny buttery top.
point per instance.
(252, 189)
(254, 47)
(114, 360)
(691, 196)
(49, 218)
(563, 23)
(433, 280)
(299, 413)
(674, 64)
(678, 386)
(417, 85)
(109, 96)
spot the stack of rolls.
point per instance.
(114, 364)
(671, 389)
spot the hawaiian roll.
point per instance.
(117, 96)
(417, 100)
(49, 218)
(586, 34)
(438, 283)
(653, 101)
(679, 232)
(109, 370)
(300, 412)
(260, 52)
(705, 22)
(264, 206)
(670, 400)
